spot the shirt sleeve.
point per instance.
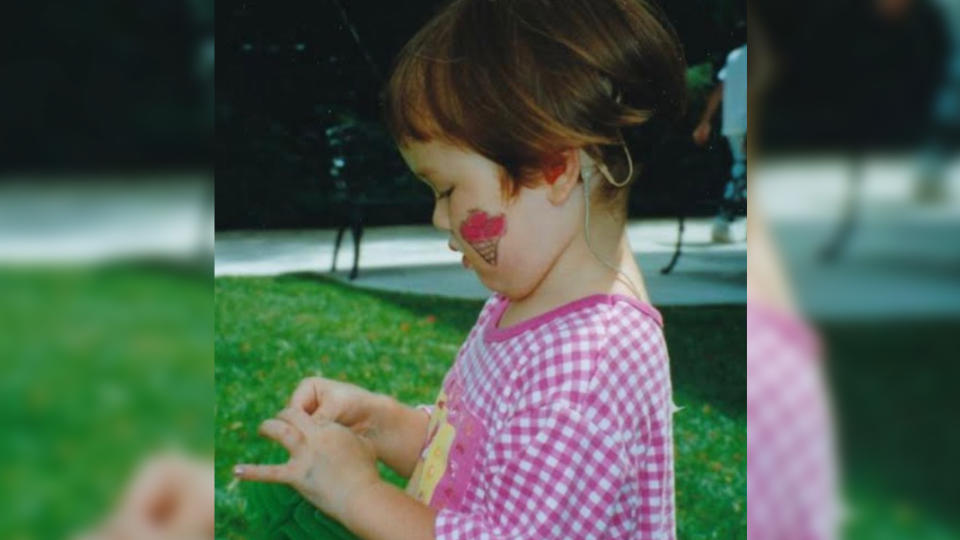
(551, 474)
(722, 74)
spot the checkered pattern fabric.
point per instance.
(791, 464)
(576, 412)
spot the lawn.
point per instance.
(102, 367)
(894, 388)
(272, 332)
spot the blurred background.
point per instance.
(856, 111)
(298, 114)
(106, 313)
(106, 216)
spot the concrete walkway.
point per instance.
(902, 258)
(416, 259)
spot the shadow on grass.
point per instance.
(707, 344)
(708, 354)
(456, 314)
(894, 391)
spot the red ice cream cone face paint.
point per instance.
(472, 207)
(483, 232)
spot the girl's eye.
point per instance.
(445, 194)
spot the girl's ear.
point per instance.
(561, 175)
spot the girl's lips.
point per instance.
(463, 261)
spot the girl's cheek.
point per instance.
(483, 232)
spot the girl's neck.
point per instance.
(577, 273)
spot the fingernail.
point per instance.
(238, 471)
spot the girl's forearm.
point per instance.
(400, 434)
(384, 512)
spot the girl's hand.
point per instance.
(170, 497)
(344, 403)
(396, 430)
(328, 465)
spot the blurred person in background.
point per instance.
(732, 92)
(855, 84)
(791, 461)
(791, 464)
(945, 113)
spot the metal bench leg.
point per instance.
(676, 252)
(357, 230)
(841, 236)
(336, 248)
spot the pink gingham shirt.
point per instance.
(557, 427)
(792, 476)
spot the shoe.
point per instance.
(720, 234)
(930, 189)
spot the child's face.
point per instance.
(511, 245)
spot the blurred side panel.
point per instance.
(106, 243)
(855, 181)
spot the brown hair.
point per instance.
(518, 81)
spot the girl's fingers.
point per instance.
(305, 397)
(327, 410)
(284, 433)
(263, 473)
(299, 419)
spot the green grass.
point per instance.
(102, 366)
(272, 332)
(895, 396)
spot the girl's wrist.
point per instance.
(397, 432)
(381, 409)
(356, 505)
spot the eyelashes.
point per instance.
(445, 194)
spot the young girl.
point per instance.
(555, 419)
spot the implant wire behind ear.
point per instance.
(584, 158)
(606, 172)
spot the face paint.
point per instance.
(553, 170)
(483, 233)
